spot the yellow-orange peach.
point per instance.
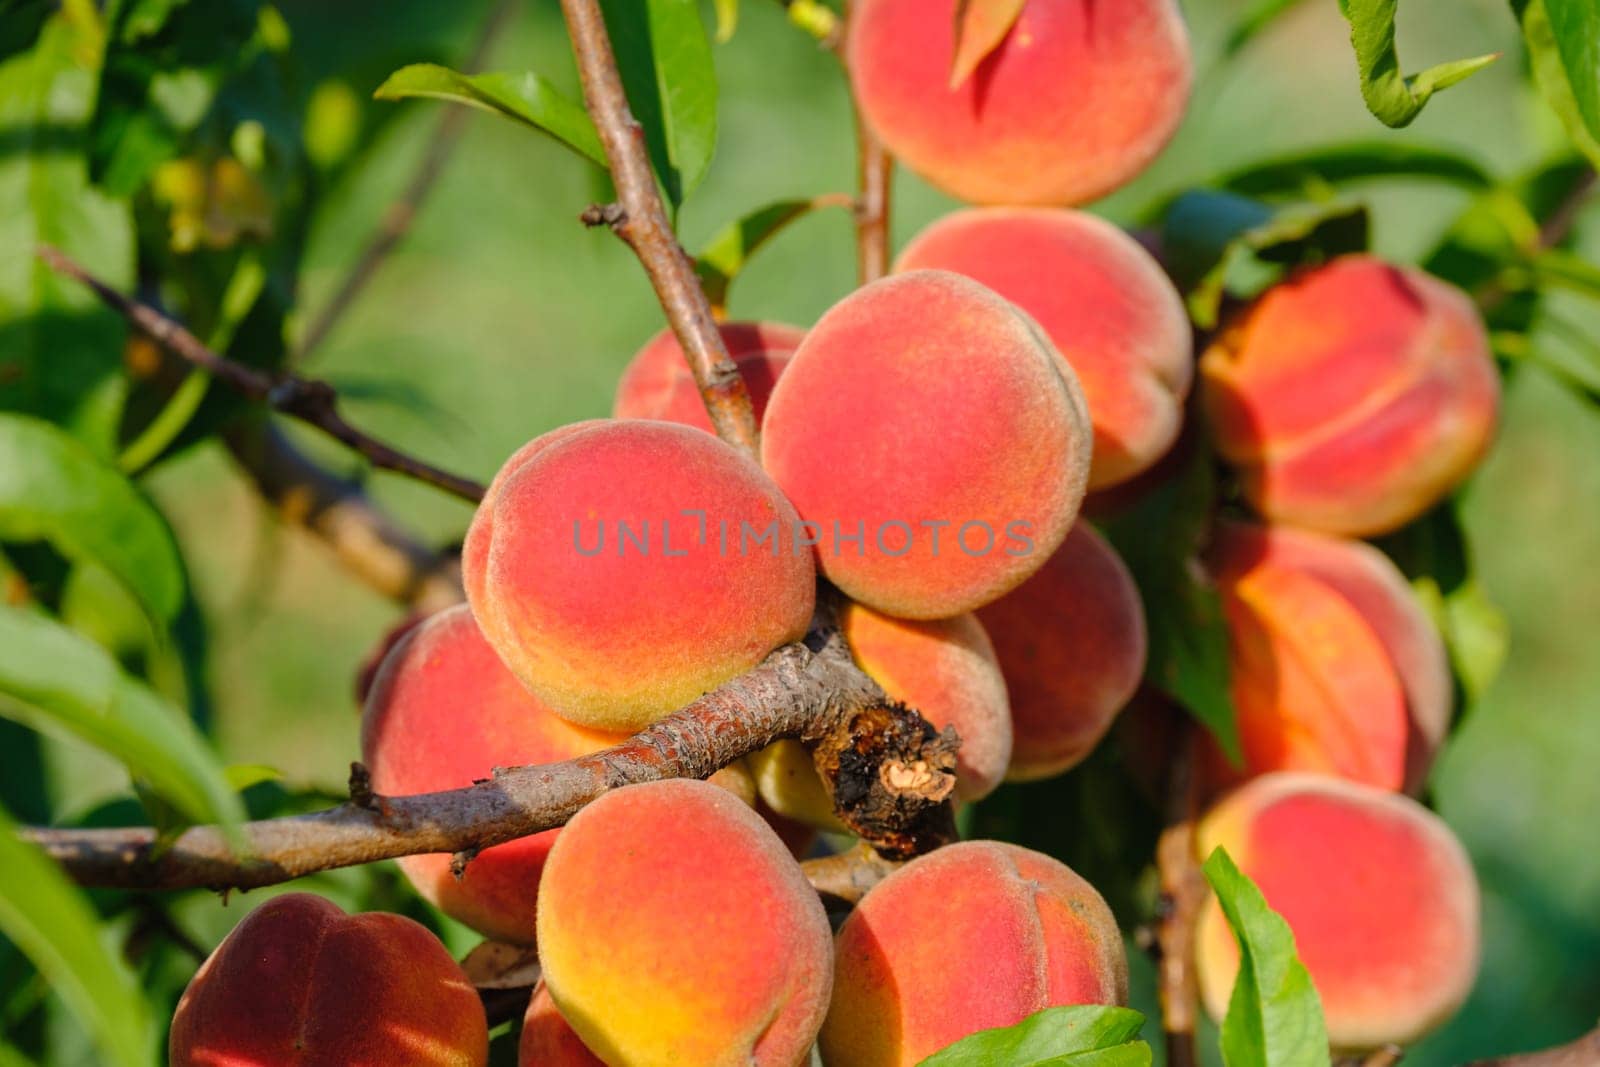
(658, 384)
(547, 1040)
(1106, 304)
(713, 949)
(969, 937)
(1076, 100)
(1315, 676)
(1353, 397)
(621, 571)
(934, 439)
(300, 982)
(443, 712)
(1379, 893)
(788, 783)
(1071, 643)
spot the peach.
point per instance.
(1106, 304)
(1071, 642)
(1353, 397)
(972, 936)
(714, 948)
(1279, 653)
(547, 1040)
(946, 669)
(627, 567)
(658, 384)
(300, 982)
(444, 712)
(1379, 893)
(933, 440)
(1075, 101)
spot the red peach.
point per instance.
(1106, 304)
(547, 1040)
(658, 384)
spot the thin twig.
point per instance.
(369, 543)
(818, 696)
(847, 876)
(397, 220)
(307, 399)
(1558, 227)
(1183, 893)
(640, 219)
(874, 181)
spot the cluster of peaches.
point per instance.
(927, 448)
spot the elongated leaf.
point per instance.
(1160, 539)
(1054, 1035)
(53, 488)
(526, 97)
(1563, 38)
(1394, 98)
(46, 917)
(1274, 1016)
(1356, 161)
(980, 27)
(665, 59)
(60, 350)
(1207, 234)
(729, 251)
(53, 680)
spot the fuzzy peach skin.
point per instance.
(298, 983)
(1353, 397)
(716, 950)
(1106, 304)
(787, 782)
(969, 937)
(1379, 593)
(443, 712)
(1380, 895)
(1071, 642)
(929, 416)
(1077, 99)
(1313, 687)
(658, 384)
(547, 1040)
(613, 578)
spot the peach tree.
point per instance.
(1040, 657)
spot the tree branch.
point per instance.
(893, 791)
(847, 876)
(640, 219)
(397, 220)
(1183, 893)
(364, 538)
(874, 182)
(309, 400)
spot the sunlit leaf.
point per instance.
(727, 19)
(730, 249)
(1391, 96)
(1563, 38)
(46, 917)
(525, 97)
(1274, 1016)
(1079, 1036)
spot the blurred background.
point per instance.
(500, 317)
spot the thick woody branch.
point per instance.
(640, 219)
(309, 400)
(366, 541)
(891, 791)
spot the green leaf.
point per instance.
(1297, 172)
(60, 350)
(526, 97)
(58, 682)
(665, 60)
(730, 249)
(1563, 38)
(1392, 97)
(727, 19)
(980, 27)
(53, 488)
(1066, 1035)
(1159, 538)
(49, 919)
(1274, 1016)
(1255, 20)
(1208, 235)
